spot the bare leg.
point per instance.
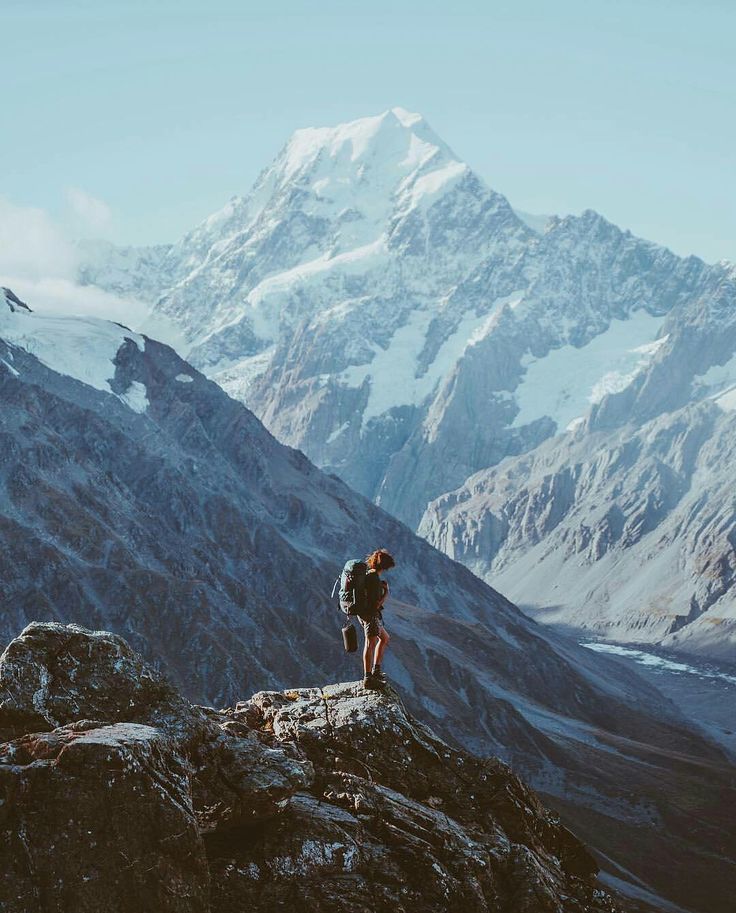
(383, 641)
(370, 648)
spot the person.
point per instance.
(377, 637)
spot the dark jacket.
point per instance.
(374, 594)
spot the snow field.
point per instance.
(80, 347)
(567, 381)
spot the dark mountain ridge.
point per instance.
(211, 547)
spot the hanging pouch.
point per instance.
(350, 638)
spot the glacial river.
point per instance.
(661, 663)
(704, 691)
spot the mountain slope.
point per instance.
(627, 526)
(371, 299)
(174, 518)
(375, 304)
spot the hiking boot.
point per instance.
(379, 681)
(370, 684)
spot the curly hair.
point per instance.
(380, 560)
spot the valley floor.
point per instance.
(704, 691)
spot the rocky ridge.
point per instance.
(151, 504)
(626, 526)
(375, 303)
(118, 794)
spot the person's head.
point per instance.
(380, 560)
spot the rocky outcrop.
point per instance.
(185, 527)
(98, 817)
(122, 796)
(12, 301)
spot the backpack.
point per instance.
(352, 595)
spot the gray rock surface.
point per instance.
(628, 534)
(378, 306)
(190, 531)
(99, 815)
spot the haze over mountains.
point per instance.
(139, 498)
(380, 307)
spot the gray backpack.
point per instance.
(352, 595)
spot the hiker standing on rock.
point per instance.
(376, 636)
(362, 595)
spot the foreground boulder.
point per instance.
(96, 817)
(122, 796)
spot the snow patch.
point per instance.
(135, 397)
(184, 378)
(727, 400)
(263, 304)
(407, 118)
(428, 187)
(565, 383)
(79, 347)
(337, 432)
(393, 373)
(720, 382)
(236, 379)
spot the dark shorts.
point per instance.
(372, 627)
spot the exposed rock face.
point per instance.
(378, 306)
(173, 518)
(98, 817)
(410, 821)
(344, 801)
(12, 301)
(630, 534)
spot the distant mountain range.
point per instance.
(549, 400)
(136, 496)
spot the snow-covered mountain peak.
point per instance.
(342, 183)
(407, 118)
(84, 348)
(381, 202)
(394, 138)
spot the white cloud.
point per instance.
(32, 245)
(39, 263)
(54, 295)
(90, 212)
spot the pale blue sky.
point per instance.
(164, 109)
